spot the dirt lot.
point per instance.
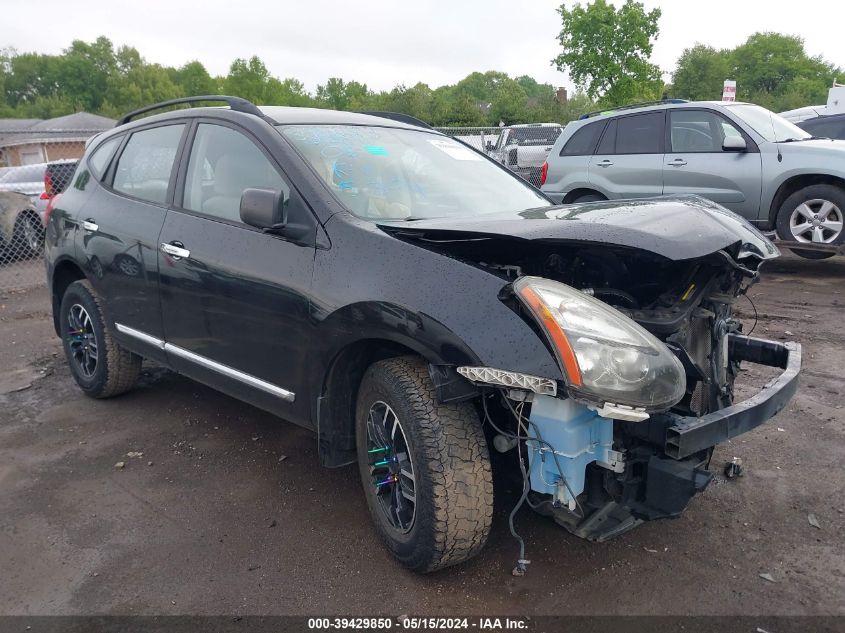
(227, 512)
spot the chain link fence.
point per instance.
(35, 165)
(521, 148)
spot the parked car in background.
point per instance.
(57, 176)
(523, 148)
(412, 301)
(21, 229)
(39, 181)
(807, 112)
(25, 179)
(830, 126)
(835, 105)
(740, 155)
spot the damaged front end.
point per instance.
(636, 300)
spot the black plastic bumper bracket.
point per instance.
(688, 434)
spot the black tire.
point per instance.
(589, 197)
(830, 193)
(28, 236)
(453, 484)
(115, 369)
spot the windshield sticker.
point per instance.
(376, 150)
(453, 149)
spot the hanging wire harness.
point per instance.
(522, 435)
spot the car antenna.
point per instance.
(772, 122)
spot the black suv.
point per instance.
(414, 303)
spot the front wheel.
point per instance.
(424, 466)
(813, 215)
(100, 366)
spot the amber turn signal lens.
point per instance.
(559, 340)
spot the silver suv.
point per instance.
(737, 154)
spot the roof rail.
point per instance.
(631, 107)
(235, 103)
(399, 116)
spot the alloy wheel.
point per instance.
(32, 234)
(816, 221)
(82, 340)
(391, 467)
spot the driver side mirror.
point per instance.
(264, 208)
(734, 144)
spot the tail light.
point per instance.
(544, 173)
(48, 183)
(50, 206)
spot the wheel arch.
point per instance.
(65, 272)
(340, 377)
(581, 191)
(793, 184)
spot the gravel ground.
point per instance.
(223, 509)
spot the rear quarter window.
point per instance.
(99, 160)
(583, 142)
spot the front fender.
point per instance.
(370, 281)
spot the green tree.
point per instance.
(288, 92)
(606, 51)
(30, 76)
(249, 79)
(141, 84)
(193, 79)
(772, 69)
(341, 95)
(509, 104)
(83, 72)
(482, 86)
(700, 73)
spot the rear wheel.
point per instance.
(100, 366)
(813, 215)
(424, 466)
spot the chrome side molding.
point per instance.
(229, 372)
(141, 336)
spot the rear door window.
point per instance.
(146, 163)
(608, 141)
(640, 134)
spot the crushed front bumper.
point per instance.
(687, 435)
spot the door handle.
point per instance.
(90, 225)
(175, 249)
(605, 163)
(678, 162)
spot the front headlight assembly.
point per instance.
(606, 357)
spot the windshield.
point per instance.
(396, 174)
(769, 125)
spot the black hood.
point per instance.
(678, 228)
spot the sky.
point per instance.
(384, 43)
